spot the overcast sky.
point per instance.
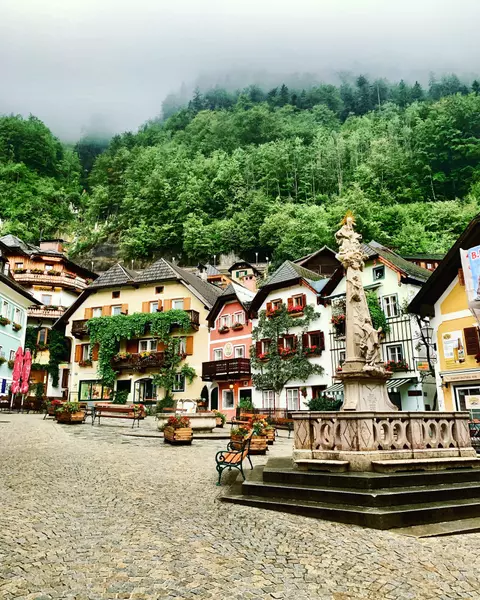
(108, 64)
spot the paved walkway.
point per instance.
(88, 513)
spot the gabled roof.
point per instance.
(207, 291)
(11, 283)
(233, 291)
(243, 263)
(287, 274)
(424, 302)
(409, 269)
(421, 256)
(307, 257)
(117, 275)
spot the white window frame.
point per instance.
(225, 321)
(224, 402)
(265, 346)
(268, 398)
(342, 357)
(239, 317)
(85, 352)
(18, 316)
(5, 309)
(47, 299)
(461, 388)
(277, 303)
(116, 310)
(19, 265)
(179, 385)
(293, 398)
(298, 300)
(242, 348)
(388, 304)
(182, 347)
(175, 300)
(395, 356)
(218, 354)
(49, 267)
(12, 355)
(154, 306)
(150, 345)
(289, 342)
(378, 268)
(97, 312)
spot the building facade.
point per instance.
(228, 367)
(394, 281)
(161, 287)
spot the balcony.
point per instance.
(61, 279)
(79, 328)
(234, 368)
(194, 319)
(45, 312)
(137, 361)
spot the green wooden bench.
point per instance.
(233, 457)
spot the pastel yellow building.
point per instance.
(443, 299)
(161, 287)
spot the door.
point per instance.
(245, 394)
(396, 398)
(214, 399)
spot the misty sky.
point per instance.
(108, 64)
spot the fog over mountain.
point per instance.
(106, 65)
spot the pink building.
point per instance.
(228, 368)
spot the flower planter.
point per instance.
(224, 330)
(183, 435)
(218, 422)
(258, 445)
(270, 436)
(68, 417)
(237, 327)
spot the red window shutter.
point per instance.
(189, 345)
(160, 346)
(305, 340)
(461, 278)
(187, 303)
(279, 343)
(472, 344)
(322, 340)
(290, 303)
(65, 374)
(304, 299)
(88, 313)
(132, 346)
(295, 341)
(78, 353)
(269, 307)
(258, 348)
(95, 352)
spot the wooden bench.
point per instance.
(233, 457)
(118, 411)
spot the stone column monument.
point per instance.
(363, 373)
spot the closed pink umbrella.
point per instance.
(27, 367)
(17, 372)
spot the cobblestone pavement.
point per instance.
(88, 513)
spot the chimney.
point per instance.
(55, 245)
(250, 282)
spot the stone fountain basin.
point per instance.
(201, 422)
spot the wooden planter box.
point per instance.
(219, 422)
(270, 436)
(237, 440)
(184, 435)
(258, 445)
(66, 417)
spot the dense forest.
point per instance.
(256, 171)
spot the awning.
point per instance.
(392, 385)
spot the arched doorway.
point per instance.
(214, 399)
(145, 391)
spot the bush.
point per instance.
(322, 403)
(119, 397)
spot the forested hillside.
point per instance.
(271, 172)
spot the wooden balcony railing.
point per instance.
(79, 328)
(234, 368)
(61, 280)
(194, 319)
(44, 312)
(138, 361)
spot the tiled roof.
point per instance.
(233, 290)
(312, 254)
(421, 256)
(409, 268)
(115, 276)
(211, 270)
(161, 270)
(288, 271)
(208, 291)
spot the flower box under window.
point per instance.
(237, 326)
(85, 363)
(397, 365)
(224, 329)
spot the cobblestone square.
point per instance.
(94, 513)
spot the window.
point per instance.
(429, 266)
(147, 345)
(239, 351)
(239, 317)
(298, 300)
(159, 289)
(12, 355)
(342, 355)
(315, 339)
(48, 267)
(217, 354)
(225, 321)
(390, 306)
(182, 348)
(463, 393)
(153, 307)
(268, 399)
(42, 336)
(179, 384)
(177, 304)
(292, 399)
(46, 299)
(5, 309)
(227, 399)
(85, 351)
(93, 390)
(2, 353)
(117, 309)
(378, 273)
(241, 274)
(19, 265)
(115, 294)
(395, 353)
(276, 304)
(289, 342)
(97, 311)
(265, 346)
(18, 316)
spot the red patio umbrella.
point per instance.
(17, 373)
(27, 366)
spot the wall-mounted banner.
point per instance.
(471, 274)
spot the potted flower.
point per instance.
(263, 356)
(295, 311)
(237, 434)
(201, 405)
(237, 326)
(16, 326)
(52, 406)
(270, 433)
(37, 271)
(178, 431)
(11, 363)
(53, 273)
(85, 363)
(258, 445)
(338, 322)
(220, 419)
(224, 329)
(2, 360)
(286, 352)
(69, 412)
(4, 321)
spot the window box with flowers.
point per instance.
(286, 352)
(53, 273)
(121, 357)
(178, 431)
(237, 326)
(4, 321)
(263, 356)
(397, 365)
(37, 271)
(338, 322)
(274, 310)
(11, 363)
(258, 444)
(70, 275)
(295, 311)
(224, 329)
(85, 363)
(19, 271)
(16, 326)
(312, 351)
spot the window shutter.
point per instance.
(258, 348)
(167, 305)
(159, 305)
(65, 374)
(132, 346)
(290, 303)
(472, 344)
(304, 299)
(125, 309)
(95, 352)
(461, 278)
(78, 353)
(189, 345)
(145, 307)
(305, 340)
(88, 313)
(295, 341)
(106, 311)
(269, 307)
(322, 340)
(160, 346)
(187, 303)
(279, 343)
